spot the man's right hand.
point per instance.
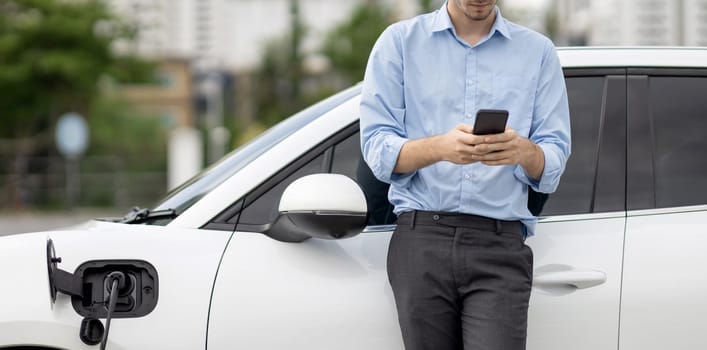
(456, 146)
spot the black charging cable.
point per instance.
(116, 280)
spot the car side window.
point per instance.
(263, 206)
(341, 154)
(574, 194)
(347, 160)
(678, 112)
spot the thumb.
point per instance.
(465, 128)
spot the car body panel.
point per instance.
(563, 317)
(226, 290)
(318, 294)
(665, 277)
(186, 262)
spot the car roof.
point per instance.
(667, 57)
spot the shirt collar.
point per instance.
(442, 22)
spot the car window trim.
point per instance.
(592, 72)
(229, 218)
(612, 137)
(582, 217)
(668, 210)
(322, 148)
(676, 72)
(641, 191)
(612, 142)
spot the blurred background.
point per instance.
(109, 104)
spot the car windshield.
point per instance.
(184, 196)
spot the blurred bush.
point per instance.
(137, 138)
(284, 86)
(348, 45)
(52, 54)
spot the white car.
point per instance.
(276, 247)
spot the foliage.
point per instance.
(283, 87)
(348, 45)
(552, 23)
(52, 54)
(279, 78)
(120, 130)
(428, 5)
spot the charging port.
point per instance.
(137, 295)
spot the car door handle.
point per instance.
(579, 279)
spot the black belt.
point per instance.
(419, 217)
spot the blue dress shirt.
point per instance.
(423, 80)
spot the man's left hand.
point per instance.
(508, 148)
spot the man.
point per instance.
(460, 271)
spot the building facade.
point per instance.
(230, 34)
(632, 22)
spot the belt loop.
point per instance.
(498, 226)
(412, 221)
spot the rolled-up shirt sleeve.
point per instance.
(550, 128)
(382, 109)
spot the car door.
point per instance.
(579, 240)
(664, 286)
(317, 294)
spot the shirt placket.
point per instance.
(468, 188)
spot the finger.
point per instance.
(466, 128)
(497, 162)
(483, 149)
(486, 148)
(471, 139)
(506, 136)
(500, 156)
(463, 158)
(463, 151)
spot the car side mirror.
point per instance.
(326, 206)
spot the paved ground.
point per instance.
(12, 222)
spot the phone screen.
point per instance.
(490, 121)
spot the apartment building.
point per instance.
(230, 34)
(632, 22)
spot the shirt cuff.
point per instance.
(392, 145)
(549, 180)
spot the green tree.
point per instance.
(138, 138)
(52, 54)
(283, 87)
(279, 77)
(428, 5)
(552, 23)
(349, 44)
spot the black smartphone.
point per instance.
(490, 121)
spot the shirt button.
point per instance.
(466, 176)
(468, 115)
